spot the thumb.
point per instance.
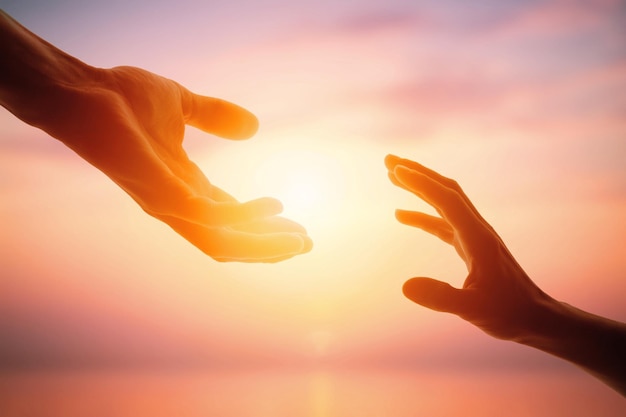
(433, 294)
(222, 118)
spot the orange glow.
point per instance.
(524, 116)
(311, 183)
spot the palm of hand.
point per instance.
(130, 124)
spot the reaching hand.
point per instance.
(130, 123)
(497, 295)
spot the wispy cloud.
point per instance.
(556, 18)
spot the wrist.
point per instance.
(594, 343)
(550, 320)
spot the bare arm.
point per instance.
(129, 123)
(498, 296)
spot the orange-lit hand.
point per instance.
(134, 135)
(130, 123)
(497, 295)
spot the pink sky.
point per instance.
(524, 103)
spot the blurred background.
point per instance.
(522, 102)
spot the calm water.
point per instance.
(306, 394)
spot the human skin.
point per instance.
(498, 296)
(130, 123)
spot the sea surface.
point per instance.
(305, 393)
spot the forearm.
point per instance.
(33, 71)
(594, 343)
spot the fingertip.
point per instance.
(222, 118)
(391, 160)
(423, 291)
(307, 244)
(401, 215)
(249, 126)
(243, 124)
(433, 294)
(398, 214)
(409, 288)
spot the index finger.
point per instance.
(450, 205)
(391, 161)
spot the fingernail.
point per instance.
(402, 171)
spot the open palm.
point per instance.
(130, 123)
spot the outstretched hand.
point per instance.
(130, 123)
(497, 295)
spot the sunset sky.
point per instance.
(522, 102)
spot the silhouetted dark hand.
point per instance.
(130, 123)
(498, 296)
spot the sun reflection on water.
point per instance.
(320, 395)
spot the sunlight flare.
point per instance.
(310, 184)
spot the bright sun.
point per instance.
(310, 184)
